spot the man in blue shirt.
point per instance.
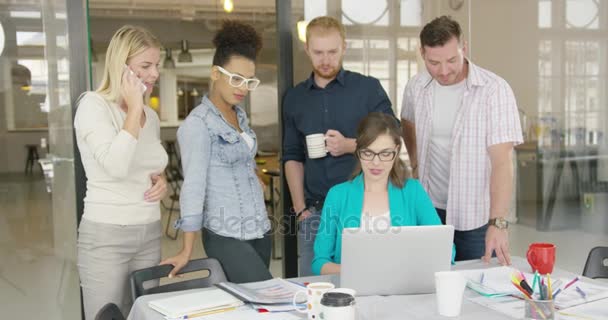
(331, 101)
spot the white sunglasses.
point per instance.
(237, 80)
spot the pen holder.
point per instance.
(539, 309)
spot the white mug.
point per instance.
(314, 292)
(315, 144)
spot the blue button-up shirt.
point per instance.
(221, 190)
(309, 109)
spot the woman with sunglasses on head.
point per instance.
(221, 194)
(379, 195)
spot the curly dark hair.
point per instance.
(236, 39)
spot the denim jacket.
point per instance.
(221, 191)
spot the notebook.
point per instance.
(273, 291)
(195, 301)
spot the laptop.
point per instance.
(395, 261)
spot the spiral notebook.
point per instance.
(195, 302)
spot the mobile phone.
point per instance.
(142, 87)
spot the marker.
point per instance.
(571, 282)
(581, 292)
(526, 294)
(535, 281)
(566, 287)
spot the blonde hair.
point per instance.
(325, 24)
(127, 42)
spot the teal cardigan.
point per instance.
(409, 206)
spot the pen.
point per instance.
(482, 276)
(571, 282)
(541, 289)
(566, 287)
(556, 293)
(204, 313)
(581, 292)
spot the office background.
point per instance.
(552, 53)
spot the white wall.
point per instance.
(504, 39)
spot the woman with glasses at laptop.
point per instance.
(379, 195)
(221, 193)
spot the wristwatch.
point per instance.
(500, 223)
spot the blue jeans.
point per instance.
(307, 231)
(470, 244)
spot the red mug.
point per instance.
(541, 257)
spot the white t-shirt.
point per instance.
(248, 139)
(446, 101)
(118, 166)
(377, 223)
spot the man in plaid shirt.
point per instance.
(460, 124)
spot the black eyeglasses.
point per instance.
(384, 155)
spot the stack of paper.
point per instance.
(571, 297)
(269, 292)
(195, 303)
(492, 282)
(495, 282)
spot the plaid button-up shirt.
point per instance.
(487, 116)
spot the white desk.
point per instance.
(387, 307)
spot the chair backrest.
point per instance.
(109, 312)
(175, 178)
(216, 275)
(597, 263)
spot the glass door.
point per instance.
(58, 165)
(38, 220)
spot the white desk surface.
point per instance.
(389, 307)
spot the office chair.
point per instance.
(216, 275)
(597, 263)
(109, 312)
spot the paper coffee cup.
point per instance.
(449, 287)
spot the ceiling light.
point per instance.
(168, 63)
(228, 6)
(1, 39)
(302, 30)
(184, 55)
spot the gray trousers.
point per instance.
(107, 254)
(242, 260)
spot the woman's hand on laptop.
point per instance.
(497, 240)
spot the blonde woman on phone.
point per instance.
(119, 141)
